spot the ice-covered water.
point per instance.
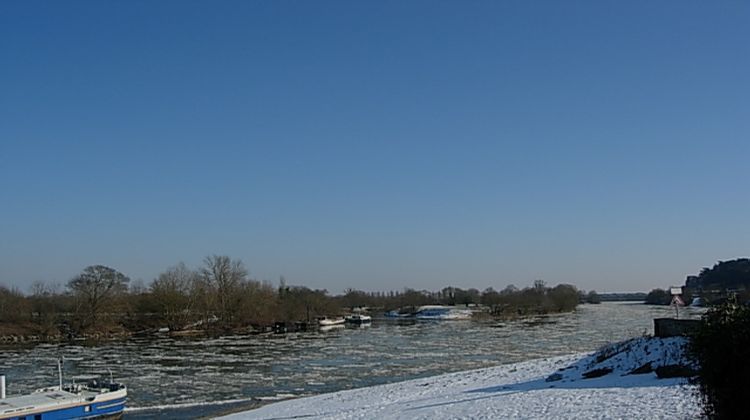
(196, 377)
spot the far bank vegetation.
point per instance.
(714, 285)
(219, 296)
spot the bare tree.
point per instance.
(14, 306)
(259, 304)
(46, 303)
(224, 277)
(138, 287)
(45, 289)
(173, 293)
(96, 288)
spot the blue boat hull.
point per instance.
(98, 410)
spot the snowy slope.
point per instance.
(519, 391)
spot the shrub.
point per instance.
(13, 306)
(721, 347)
(593, 297)
(658, 297)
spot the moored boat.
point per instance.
(327, 322)
(396, 313)
(94, 399)
(358, 319)
(441, 313)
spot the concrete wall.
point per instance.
(670, 327)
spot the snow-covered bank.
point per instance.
(545, 388)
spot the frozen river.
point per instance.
(203, 377)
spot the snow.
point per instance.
(552, 388)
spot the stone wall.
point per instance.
(670, 327)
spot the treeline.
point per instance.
(724, 275)
(714, 285)
(220, 296)
(623, 297)
(510, 301)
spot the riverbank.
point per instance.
(208, 373)
(624, 380)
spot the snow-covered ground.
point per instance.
(552, 388)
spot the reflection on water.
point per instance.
(189, 377)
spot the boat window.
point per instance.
(87, 408)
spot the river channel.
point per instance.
(176, 378)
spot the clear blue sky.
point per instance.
(376, 145)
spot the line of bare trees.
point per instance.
(220, 295)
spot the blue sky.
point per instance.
(376, 145)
